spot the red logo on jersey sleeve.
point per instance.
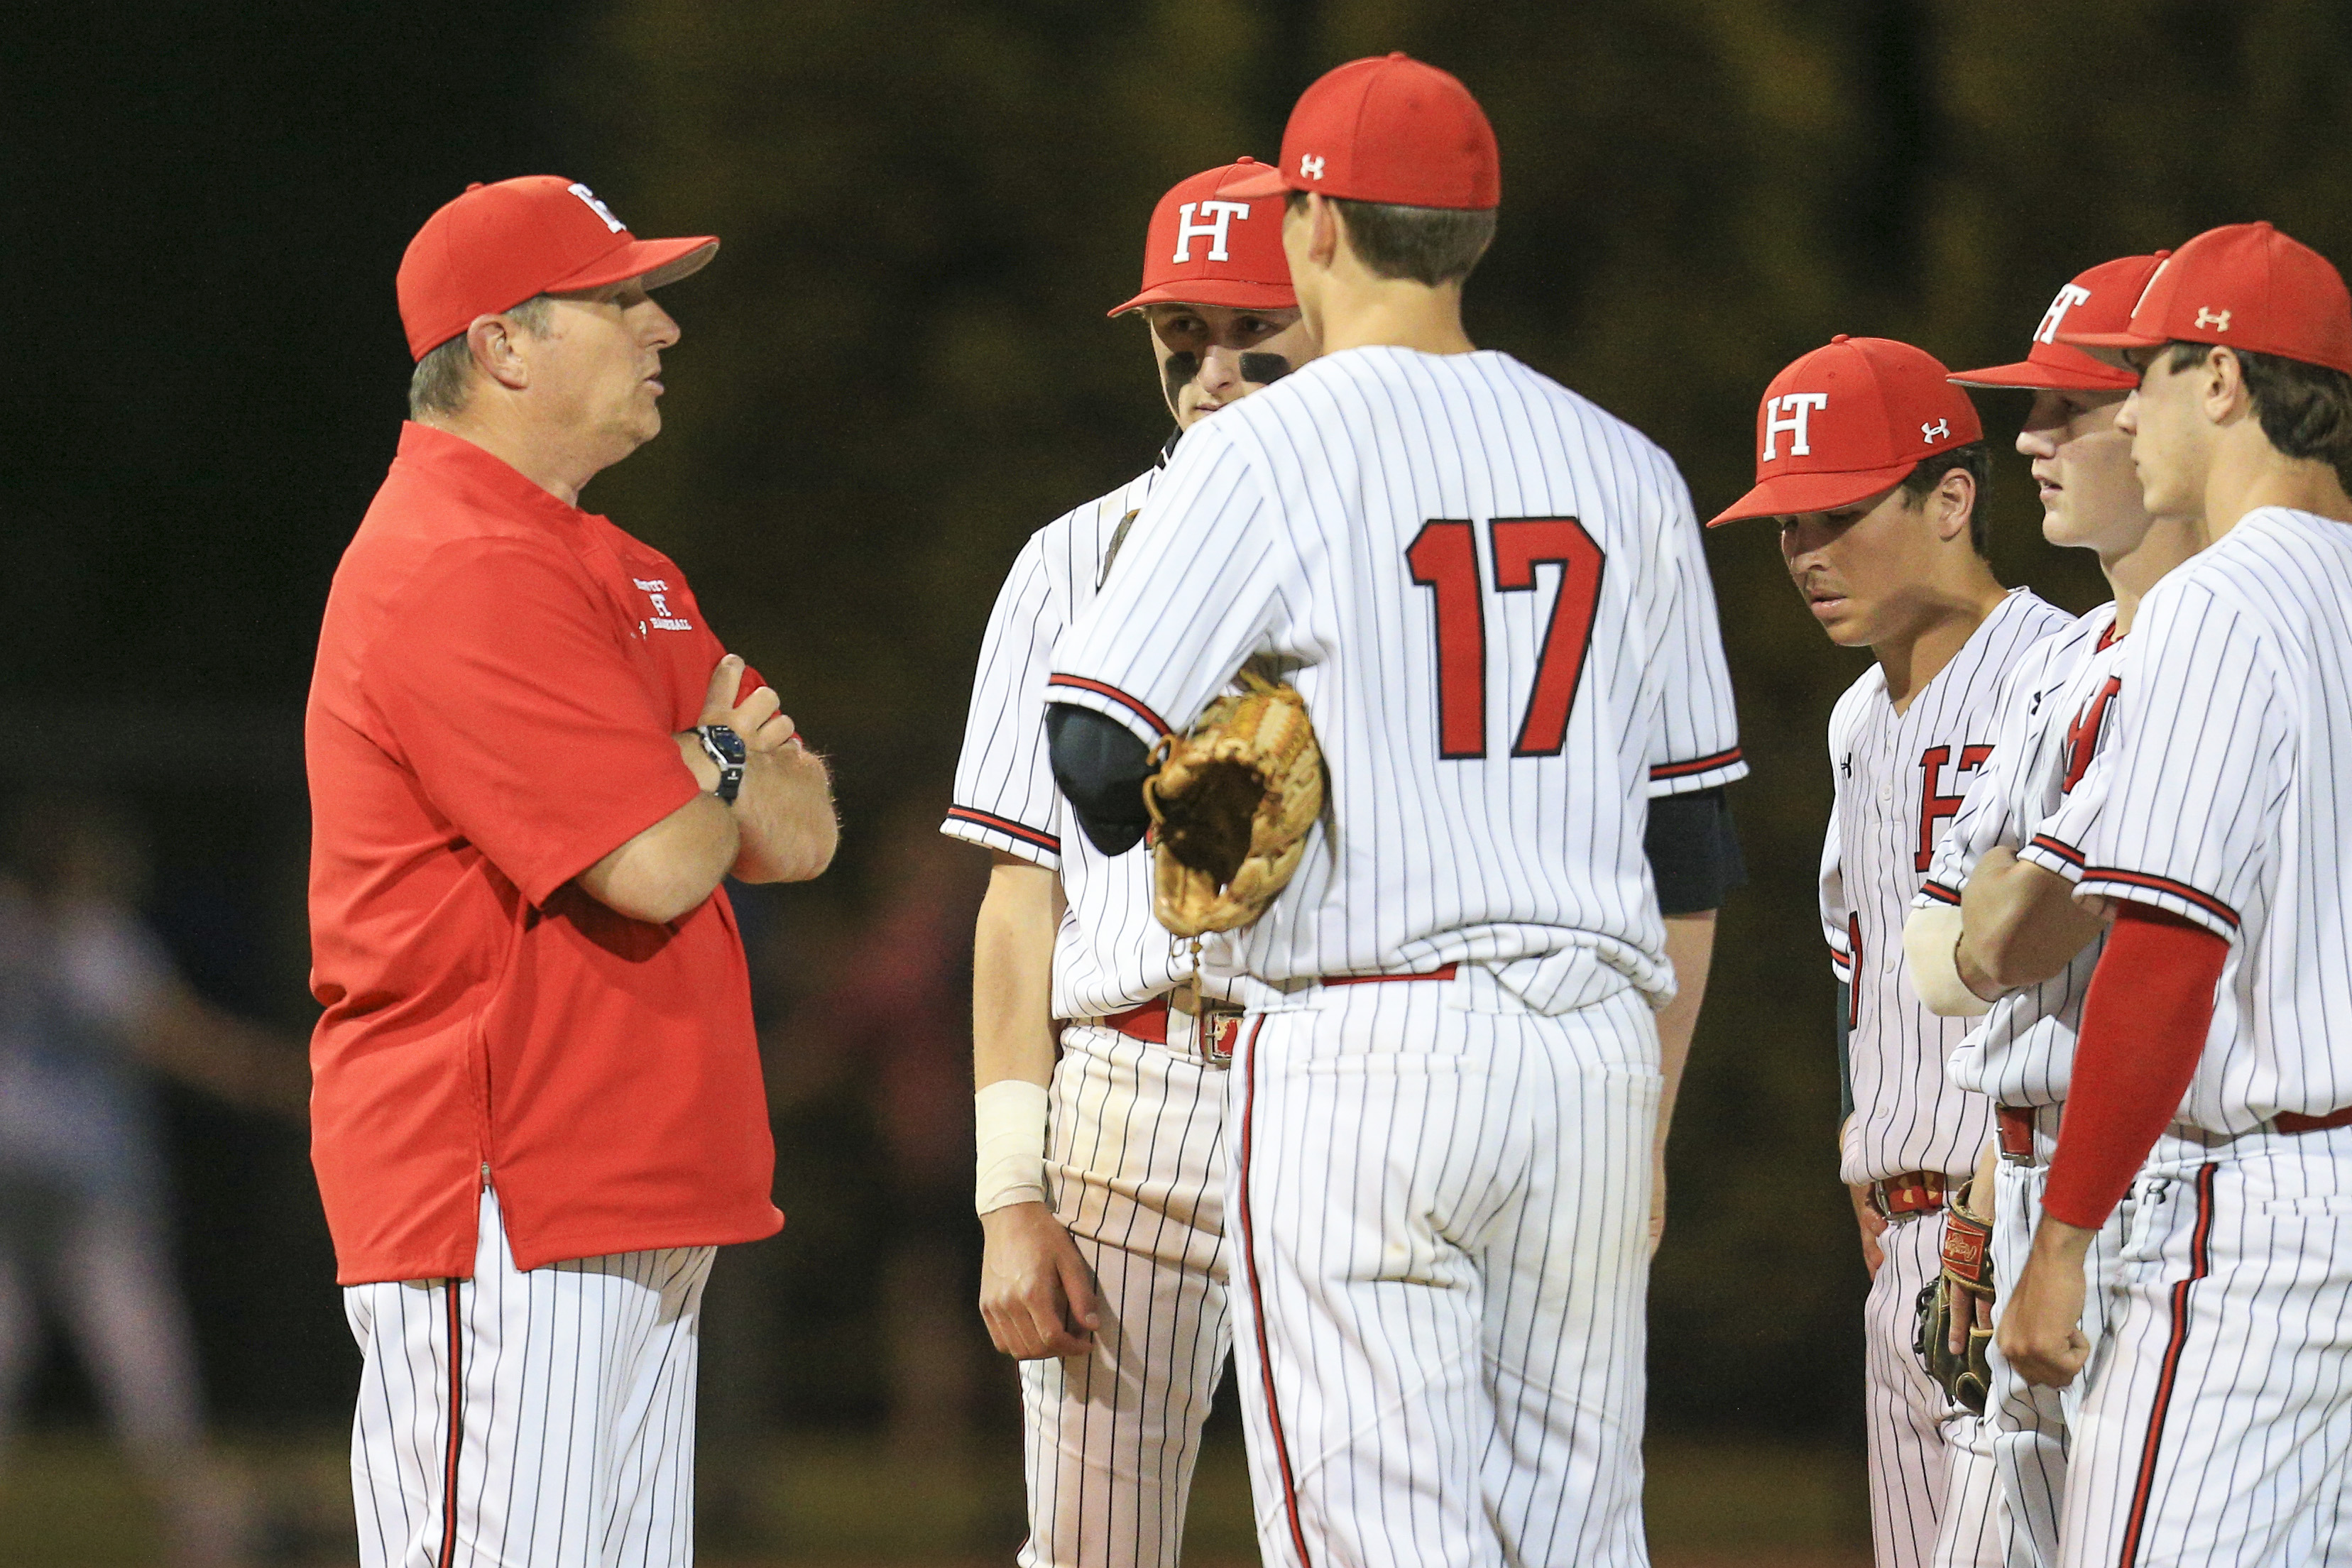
(1936, 805)
(2083, 734)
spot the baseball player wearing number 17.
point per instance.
(1994, 930)
(2212, 1076)
(1097, 1052)
(1875, 466)
(1445, 1106)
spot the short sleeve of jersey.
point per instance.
(1005, 794)
(500, 677)
(1199, 586)
(2199, 763)
(1695, 744)
(1837, 913)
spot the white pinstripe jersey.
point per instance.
(1493, 598)
(2052, 713)
(2227, 800)
(1900, 779)
(1111, 954)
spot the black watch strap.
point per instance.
(725, 747)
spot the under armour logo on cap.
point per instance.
(1310, 166)
(2217, 319)
(1935, 430)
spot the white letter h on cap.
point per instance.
(1790, 413)
(1219, 214)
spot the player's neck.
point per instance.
(1942, 625)
(552, 466)
(2248, 473)
(2167, 542)
(1360, 311)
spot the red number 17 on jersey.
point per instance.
(1444, 559)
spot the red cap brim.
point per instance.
(1231, 292)
(658, 261)
(2032, 377)
(1785, 495)
(2109, 346)
(1270, 184)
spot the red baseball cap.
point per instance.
(498, 245)
(2244, 286)
(1208, 246)
(1848, 420)
(2099, 300)
(1388, 129)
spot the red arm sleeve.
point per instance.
(2143, 1023)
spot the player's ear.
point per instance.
(2223, 384)
(1953, 502)
(1324, 234)
(496, 353)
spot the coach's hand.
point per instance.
(756, 718)
(1036, 1292)
(1873, 1226)
(2042, 1325)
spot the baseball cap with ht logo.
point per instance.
(497, 245)
(1389, 129)
(1208, 246)
(1848, 420)
(2099, 300)
(2243, 286)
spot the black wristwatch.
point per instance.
(725, 747)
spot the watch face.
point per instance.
(726, 743)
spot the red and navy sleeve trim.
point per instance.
(1049, 843)
(1104, 689)
(1939, 892)
(2063, 851)
(1666, 771)
(2180, 890)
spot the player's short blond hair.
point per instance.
(444, 378)
(1428, 244)
(2304, 409)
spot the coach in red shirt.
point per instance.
(537, 1104)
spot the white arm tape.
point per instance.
(1009, 1117)
(1929, 938)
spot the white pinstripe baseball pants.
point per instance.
(2219, 1429)
(1136, 1166)
(574, 1388)
(2030, 1424)
(1441, 1217)
(1935, 1490)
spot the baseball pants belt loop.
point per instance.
(1909, 1196)
(2296, 1122)
(1444, 974)
(2013, 1125)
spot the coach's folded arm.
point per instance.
(782, 827)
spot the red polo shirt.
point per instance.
(499, 678)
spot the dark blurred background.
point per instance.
(897, 369)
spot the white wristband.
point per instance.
(1009, 1117)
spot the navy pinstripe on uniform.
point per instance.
(1900, 778)
(1492, 597)
(1135, 1155)
(2218, 1428)
(2051, 715)
(573, 1391)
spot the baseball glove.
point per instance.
(1967, 1278)
(1230, 807)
